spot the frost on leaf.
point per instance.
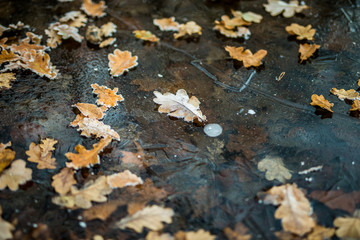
(120, 62)
(123, 179)
(145, 35)
(74, 19)
(108, 29)
(247, 16)
(63, 181)
(6, 155)
(188, 28)
(240, 32)
(274, 168)
(89, 127)
(167, 24)
(345, 94)
(276, 7)
(301, 31)
(5, 79)
(348, 227)
(179, 105)
(5, 228)
(198, 235)
(16, 175)
(294, 210)
(320, 101)
(355, 106)
(86, 158)
(31, 42)
(39, 63)
(66, 31)
(41, 153)
(93, 9)
(149, 217)
(6, 56)
(107, 42)
(307, 50)
(231, 23)
(91, 110)
(95, 191)
(54, 39)
(246, 56)
(107, 96)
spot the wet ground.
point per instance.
(212, 182)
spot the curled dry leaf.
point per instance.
(120, 62)
(108, 29)
(5, 228)
(89, 126)
(123, 179)
(355, 106)
(150, 217)
(74, 19)
(152, 235)
(276, 7)
(198, 235)
(6, 56)
(86, 158)
(107, 42)
(107, 96)
(301, 31)
(93, 9)
(41, 154)
(240, 232)
(179, 105)
(66, 31)
(247, 16)
(63, 181)
(145, 35)
(321, 102)
(348, 227)
(167, 24)
(189, 28)
(6, 155)
(246, 56)
(91, 110)
(5, 79)
(241, 32)
(294, 210)
(16, 175)
(275, 169)
(307, 50)
(39, 63)
(345, 94)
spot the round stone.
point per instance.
(213, 130)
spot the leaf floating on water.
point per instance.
(307, 50)
(179, 105)
(63, 181)
(5, 79)
(66, 31)
(102, 211)
(320, 233)
(89, 127)
(248, 16)
(321, 102)
(198, 235)
(6, 56)
(108, 29)
(120, 62)
(41, 153)
(345, 94)
(31, 42)
(90, 110)
(107, 97)
(348, 227)
(94, 9)
(39, 63)
(16, 175)
(107, 42)
(246, 56)
(241, 32)
(74, 19)
(123, 179)
(188, 28)
(276, 7)
(274, 168)
(301, 31)
(231, 23)
(355, 106)
(145, 35)
(6, 155)
(167, 24)
(5, 228)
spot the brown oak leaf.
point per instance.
(231, 23)
(66, 31)
(107, 29)
(167, 24)
(54, 39)
(31, 42)
(345, 94)
(94, 9)
(188, 28)
(320, 233)
(6, 56)
(107, 96)
(355, 106)
(107, 42)
(307, 50)
(120, 62)
(348, 227)
(200, 234)
(16, 175)
(74, 19)
(5, 79)
(63, 181)
(5, 228)
(102, 211)
(276, 7)
(321, 102)
(246, 56)
(123, 179)
(41, 153)
(152, 235)
(145, 35)
(6, 155)
(301, 31)
(247, 16)
(240, 32)
(240, 232)
(90, 110)
(39, 63)
(89, 126)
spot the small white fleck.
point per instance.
(36, 201)
(139, 156)
(82, 224)
(79, 217)
(175, 155)
(302, 163)
(309, 179)
(160, 75)
(96, 69)
(252, 112)
(115, 45)
(35, 225)
(353, 163)
(337, 188)
(260, 201)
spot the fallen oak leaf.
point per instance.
(189, 28)
(120, 62)
(301, 31)
(16, 175)
(94, 9)
(31, 42)
(79, 118)
(74, 19)
(240, 232)
(231, 23)
(6, 56)
(152, 235)
(307, 50)
(355, 106)
(90, 110)
(167, 24)
(241, 32)
(107, 96)
(123, 179)
(41, 153)
(5, 79)
(102, 211)
(107, 29)
(179, 105)
(246, 56)
(5, 228)
(345, 94)
(275, 169)
(66, 31)
(6, 155)
(321, 102)
(348, 227)
(63, 181)
(200, 234)
(54, 39)
(276, 7)
(89, 126)
(107, 42)
(320, 233)
(248, 16)
(145, 35)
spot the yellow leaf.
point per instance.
(307, 50)
(274, 168)
(167, 24)
(189, 28)
(107, 42)
(301, 31)
(107, 29)
(248, 16)
(6, 155)
(107, 97)
(39, 63)
(123, 179)
(6, 56)
(246, 56)
(89, 126)
(93, 9)
(348, 227)
(90, 110)
(276, 7)
(321, 102)
(231, 23)
(54, 39)
(145, 35)
(198, 235)
(63, 181)
(355, 106)
(16, 175)
(41, 154)
(345, 94)
(5, 79)
(120, 62)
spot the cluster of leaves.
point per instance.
(96, 35)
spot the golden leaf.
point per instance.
(240, 232)
(66, 31)
(6, 155)
(5, 228)
(179, 105)
(86, 158)
(93, 9)
(91, 110)
(107, 42)
(63, 181)
(231, 23)
(150, 217)
(120, 62)
(102, 211)
(167, 24)
(5, 79)
(145, 35)
(189, 28)
(53, 38)
(274, 168)
(246, 56)
(74, 19)
(248, 16)
(320, 233)
(137, 158)
(41, 154)
(31, 42)
(93, 34)
(355, 106)
(89, 127)
(276, 7)
(348, 227)
(134, 207)
(294, 209)
(307, 50)
(16, 175)
(39, 63)
(123, 179)
(241, 32)
(107, 29)
(321, 102)
(79, 118)
(6, 56)
(107, 97)
(301, 31)
(95, 191)
(198, 235)
(157, 236)
(345, 94)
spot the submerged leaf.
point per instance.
(16, 175)
(348, 227)
(123, 179)
(188, 28)
(41, 153)
(120, 62)
(320, 233)
(5, 228)
(5, 79)
(321, 102)
(276, 7)
(246, 56)
(198, 235)
(274, 168)
(239, 233)
(301, 31)
(63, 181)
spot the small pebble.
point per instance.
(82, 224)
(213, 130)
(252, 112)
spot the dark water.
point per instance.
(212, 182)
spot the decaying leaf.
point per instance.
(231, 23)
(348, 227)
(320, 233)
(150, 217)
(301, 31)
(53, 38)
(276, 7)
(275, 169)
(93, 9)
(107, 42)
(240, 32)
(5, 228)
(198, 235)
(31, 42)
(136, 158)
(107, 29)
(93, 34)
(167, 24)
(321, 102)
(246, 56)
(240, 233)
(145, 35)
(152, 235)
(90, 110)
(102, 211)
(179, 105)
(89, 127)
(355, 106)
(66, 31)
(74, 19)
(86, 158)
(16, 175)
(247, 16)
(189, 28)
(6, 155)
(39, 63)
(6, 56)
(123, 179)
(107, 96)
(95, 191)
(307, 50)
(41, 153)
(120, 62)
(294, 210)
(63, 181)
(5, 79)
(79, 118)
(345, 94)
